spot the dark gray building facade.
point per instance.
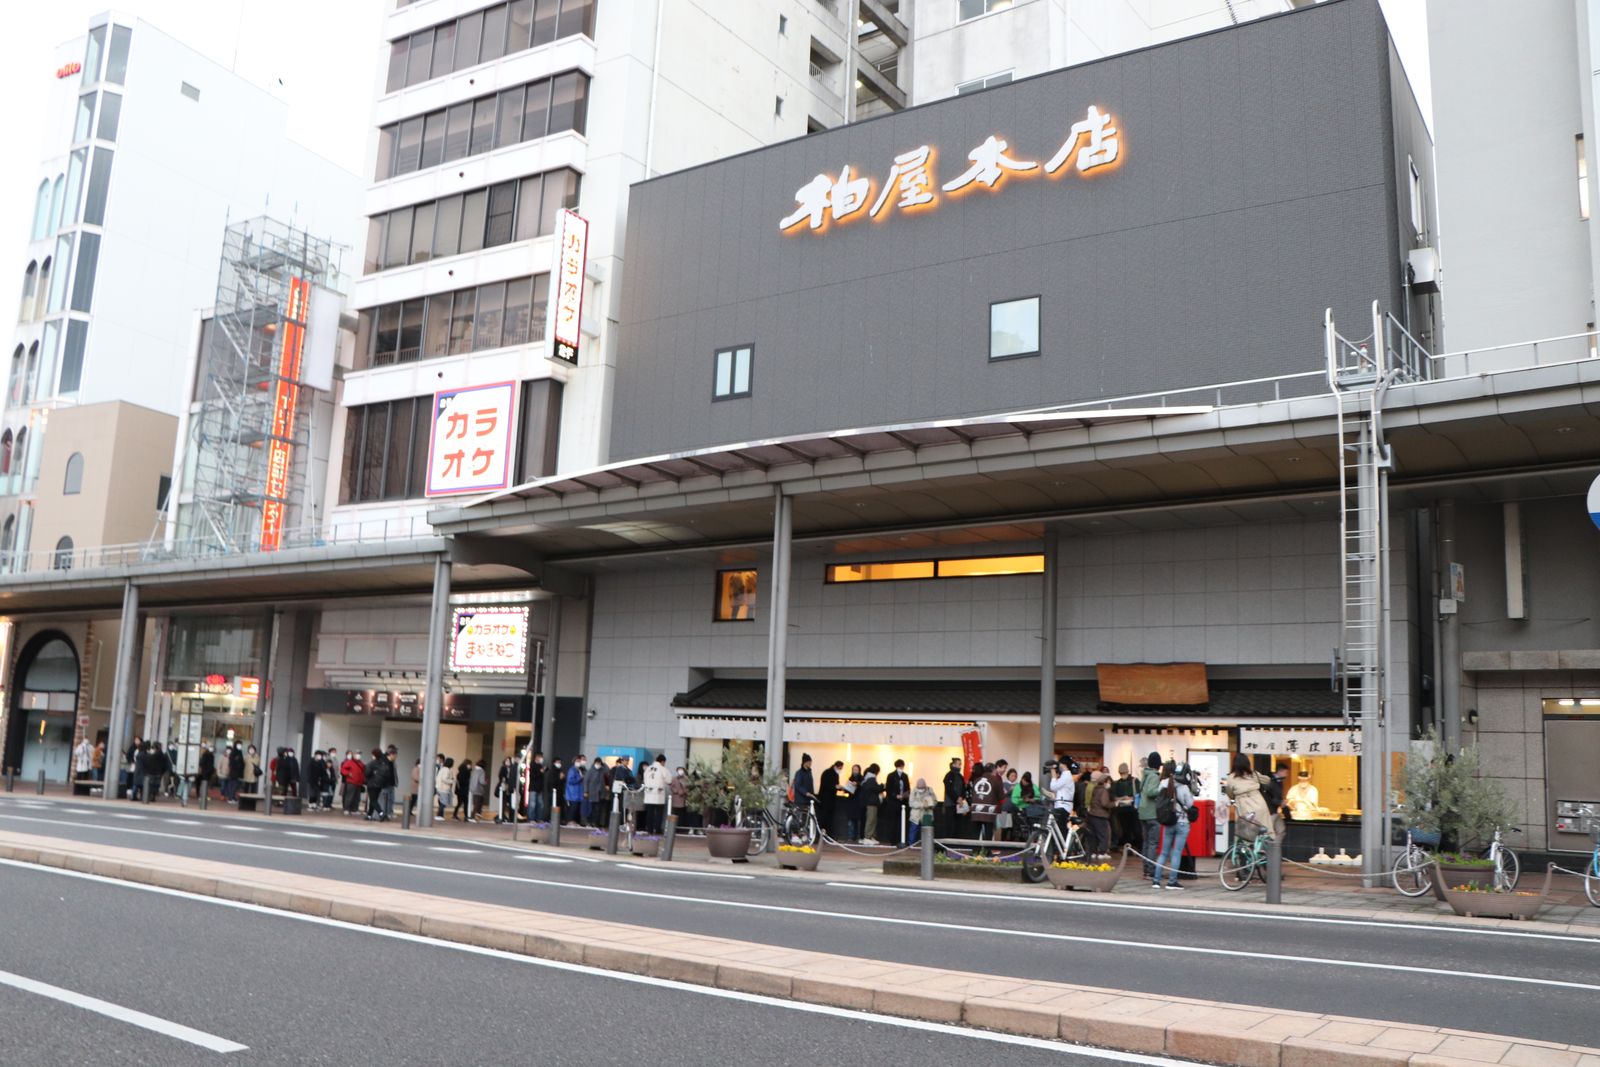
(1256, 176)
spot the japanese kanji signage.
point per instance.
(1092, 145)
(490, 640)
(572, 259)
(469, 448)
(1306, 742)
(285, 399)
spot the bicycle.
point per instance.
(1046, 844)
(1507, 868)
(800, 825)
(1591, 877)
(1244, 860)
(1412, 867)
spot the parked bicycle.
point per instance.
(1507, 868)
(1591, 875)
(1412, 869)
(1244, 860)
(799, 825)
(1046, 844)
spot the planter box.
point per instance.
(1494, 905)
(538, 835)
(1007, 873)
(798, 861)
(646, 846)
(1094, 881)
(1462, 874)
(597, 842)
(727, 843)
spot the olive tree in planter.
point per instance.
(1446, 795)
(717, 790)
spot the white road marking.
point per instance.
(679, 870)
(993, 1037)
(925, 924)
(373, 841)
(463, 851)
(302, 833)
(125, 815)
(80, 811)
(165, 1027)
(183, 822)
(544, 859)
(246, 829)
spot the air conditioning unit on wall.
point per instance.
(1422, 267)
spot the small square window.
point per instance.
(732, 373)
(777, 108)
(1014, 328)
(736, 596)
(783, 24)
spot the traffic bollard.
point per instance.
(205, 795)
(669, 834)
(1274, 871)
(148, 786)
(927, 853)
(11, 779)
(613, 826)
(41, 781)
(405, 814)
(555, 820)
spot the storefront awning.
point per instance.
(1241, 701)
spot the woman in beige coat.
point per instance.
(1252, 816)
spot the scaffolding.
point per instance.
(249, 434)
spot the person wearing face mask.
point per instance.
(678, 794)
(553, 786)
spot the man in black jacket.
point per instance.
(828, 795)
(955, 787)
(802, 785)
(896, 792)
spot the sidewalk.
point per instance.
(1329, 893)
(1133, 1022)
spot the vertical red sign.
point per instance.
(971, 751)
(285, 398)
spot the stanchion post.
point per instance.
(149, 784)
(669, 834)
(555, 818)
(611, 826)
(11, 779)
(405, 812)
(41, 781)
(1274, 871)
(205, 795)
(927, 854)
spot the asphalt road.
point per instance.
(1520, 983)
(258, 987)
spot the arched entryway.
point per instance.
(44, 708)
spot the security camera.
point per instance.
(594, 713)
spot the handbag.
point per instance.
(962, 807)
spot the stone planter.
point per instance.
(1455, 874)
(597, 840)
(1491, 905)
(798, 861)
(727, 842)
(1093, 881)
(646, 846)
(1007, 873)
(538, 835)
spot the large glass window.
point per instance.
(482, 125)
(494, 315)
(420, 59)
(469, 40)
(408, 146)
(385, 164)
(41, 211)
(381, 459)
(494, 34)
(83, 279)
(509, 127)
(519, 306)
(544, 21)
(46, 271)
(483, 218)
(94, 205)
(30, 288)
(410, 331)
(1014, 328)
(373, 452)
(536, 111)
(117, 58)
(520, 113)
(72, 356)
(69, 210)
(30, 383)
(398, 461)
(461, 321)
(915, 569)
(57, 202)
(519, 25)
(436, 335)
(569, 101)
(397, 241)
(386, 338)
(444, 48)
(399, 53)
(47, 359)
(736, 596)
(92, 55)
(577, 17)
(458, 131)
(447, 227)
(110, 116)
(422, 233)
(432, 140)
(474, 209)
(85, 120)
(502, 209)
(491, 311)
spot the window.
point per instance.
(513, 115)
(502, 209)
(5, 452)
(192, 92)
(483, 218)
(494, 34)
(83, 280)
(469, 40)
(474, 212)
(1570, 706)
(544, 21)
(58, 282)
(386, 338)
(385, 451)
(422, 232)
(398, 53)
(75, 167)
(519, 27)
(458, 131)
(509, 127)
(408, 147)
(85, 120)
(496, 315)
(30, 380)
(41, 211)
(436, 326)
(386, 136)
(117, 57)
(72, 355)
(19, 457)
(983, 83)
(44, 287)
(163, 490)
(397, 241)
(447, 227)
(72, 484)
(444, 48)
(57, 188)
(62, 560)
(777, 107)
(461, 321)
(482, 126)
(92, 55)
(432, 140)
(94, 204)
(577, 17)
(14, 387)
(922, 569)
(1583, 179)
(483, 36)
(30, 287)
(419, 60)
(1414, 188)
(783, 25)
(410, 331)
(1014, 328)
(569, 102)
(110, 116)
(736, 596)
(732, 373)
(971, 9)
(490, 313)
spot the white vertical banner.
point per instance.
(566, 297)
(471, 441)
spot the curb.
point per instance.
(1131, 1022)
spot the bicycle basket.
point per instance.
(1035, 812)
(633, 800)
(1427, 838)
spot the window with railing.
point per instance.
(495, 315)
(386, 451)
(521, 113)
(517, 210)
(484, 36)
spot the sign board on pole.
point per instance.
(1458, 582)
(285, 401)
(572, 260)
(1594, 501)
(491, 639)
(470, 442)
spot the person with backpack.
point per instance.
(1150, 829)
(1255, 796)
(1173, 801)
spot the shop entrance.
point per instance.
(44, 713)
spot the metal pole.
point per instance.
(547, 690)
(433, 705)
(124, 678)
(1274, 870)
(1449, 634)
(669, 834)
(778, 639)
(11, 781)
(405, 811)
(205, 795)
(927, 853)
(40, 790)
(612, 825)
(1371, 706)
(1047, 648)
(555, 817)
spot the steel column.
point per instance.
(125, 677)
(547, 687)
(778, 629)
(433, 701)
(1050, 590)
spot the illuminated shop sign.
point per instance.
(572, 258)
(1300, 742)
(469, 446)
(247, 687)
(490, 640)
(911, 186)
(69, 70)
(285, 399)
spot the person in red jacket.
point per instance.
(354, 773)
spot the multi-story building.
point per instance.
(151, 148)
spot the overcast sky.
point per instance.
(316, 55)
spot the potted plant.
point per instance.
(717, 790)
(646, 845)
(1095, 877)
(1447, 798)
(1486, 902)
(798, 857)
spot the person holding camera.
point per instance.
(1173, 801)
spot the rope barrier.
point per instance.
(858, 852)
